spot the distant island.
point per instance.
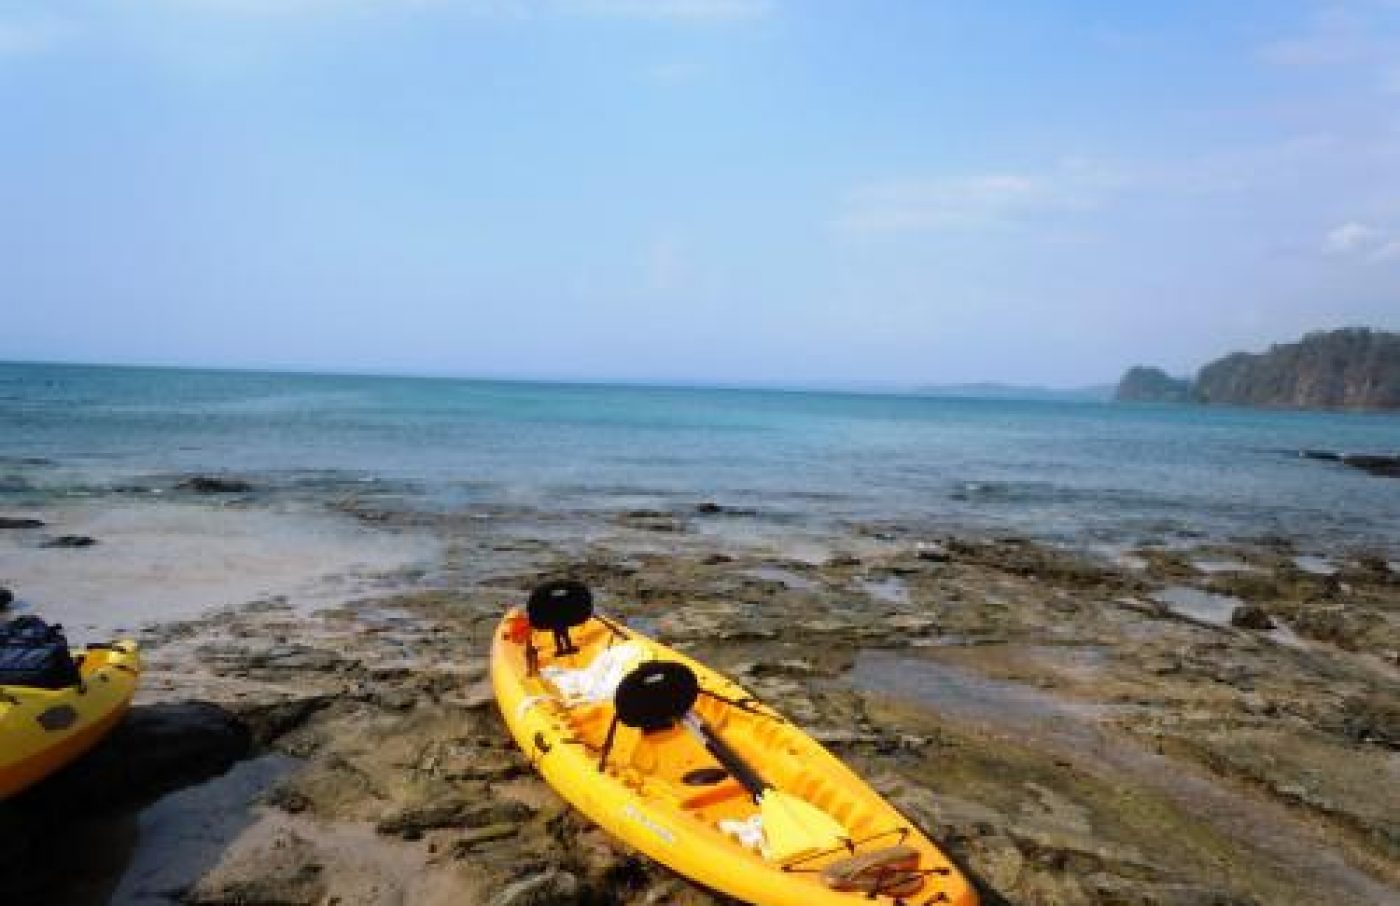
(994, 391)
(1145, 384)
(1354, 369)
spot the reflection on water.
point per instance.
(1199, 605)
(1317, 566)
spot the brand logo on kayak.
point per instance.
(637, 815)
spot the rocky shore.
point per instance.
(1156, 725)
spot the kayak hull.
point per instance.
(641, 794)
(42, 730)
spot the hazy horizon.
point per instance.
(677, 383)
(885, 195)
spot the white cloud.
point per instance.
(978, 202)
(1358, 34)
(930, 204)
(1358, 240)
(1350, 237)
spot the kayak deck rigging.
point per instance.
(657, 764)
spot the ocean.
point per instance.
(1078, 473)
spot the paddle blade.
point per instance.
(795, 828)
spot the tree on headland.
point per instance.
(1352, 368)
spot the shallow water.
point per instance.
(886, 590)
(1204, 606)
(1080, 472)
(785, 577)
(1317, 566)
(1212, 567)
(963, 693)
(161, 561)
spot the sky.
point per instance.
(791, 192)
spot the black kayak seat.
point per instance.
(559, 606)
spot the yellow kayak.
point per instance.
(41, 730)
(683, 764)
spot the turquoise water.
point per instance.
(1069, 471)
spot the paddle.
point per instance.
(658, 694)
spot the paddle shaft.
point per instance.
(732, 762)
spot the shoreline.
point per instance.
(1074, 736)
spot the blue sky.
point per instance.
(770, 191)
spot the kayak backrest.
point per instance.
(655, 695)
(559, 606)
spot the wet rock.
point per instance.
(843, 560)
(479, 696)
(1162, 665)
(7, 598)
(1018, 557)
(1251, 616)
(70, 541)
(999, 861)
(458, 762)
(284, 871)
(1258, 705)
(392, 699)
(1386, 466)
(213, 484)
(1246, 585)
(234, 658)
(550, 888)
(12, 522)
(480, 836)
(1150, 607)
(710, 508)
(911, 624)
(786, 667)
(743, 634)
(1372, 717)
(288, 798)
(1373, 565)
(932, 552)
(411, 823)
(270, 721)
(1327, 624)
(609, 870)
